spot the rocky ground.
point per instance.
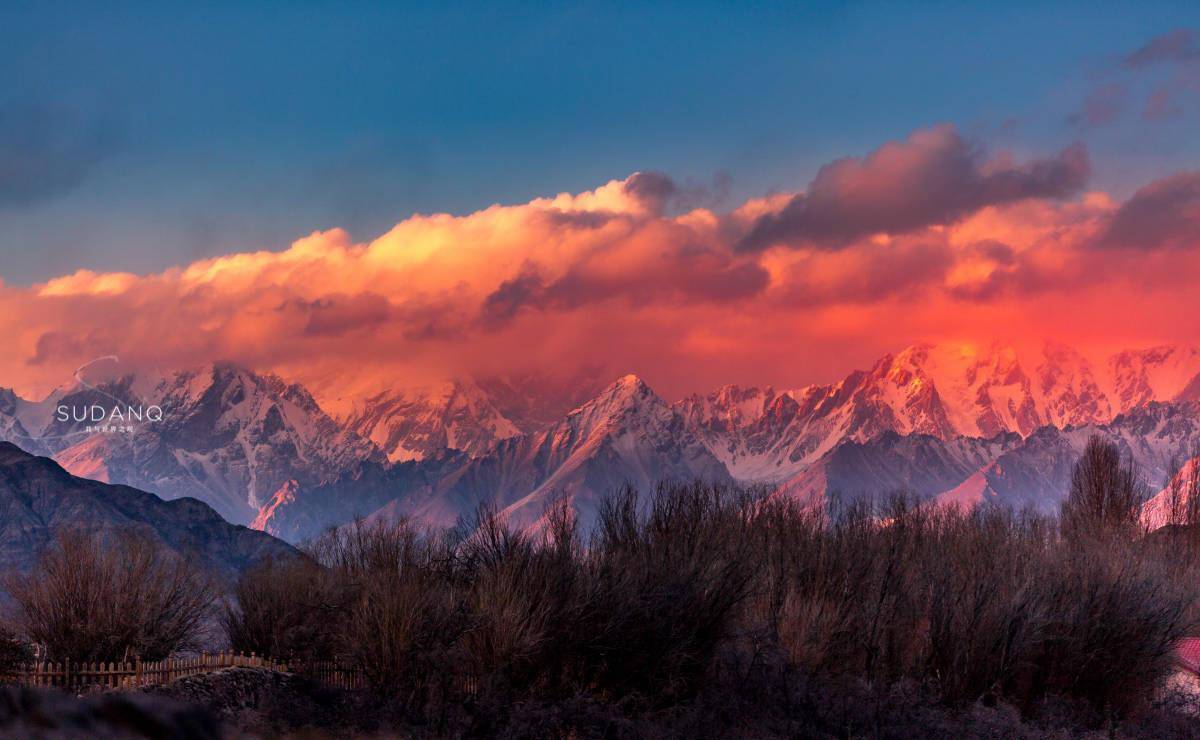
(46, 713)
(231, 703)
(265, 703)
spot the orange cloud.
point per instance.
(627, 277)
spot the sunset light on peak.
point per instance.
(664, 370)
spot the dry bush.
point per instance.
(1113, 614)
(1105, 495)
(524, 601)
(403, 615)
(90, 599)
(288, 609)
(700, 600)
(14, 651)
(986, 605)
(664, 587)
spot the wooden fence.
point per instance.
(333, 674)
(73, 676)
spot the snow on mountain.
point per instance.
(1171, 505)
(259, 449)
(1155, 374)
(1037, 473)
(13, 410)
(962, 422)
(919, 465)
(414, 423)
(945, 391)
(226, 436)
(626, 435)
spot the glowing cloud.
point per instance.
(928, 238)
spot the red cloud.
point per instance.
(932, 241)
(934, 176)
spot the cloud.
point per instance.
(56, 345)
(1161, 73)
(1102, 105)
(1180, 45)
(1161, 105)
(933, 177)
(338, 315)
(680, 274)
(45, 152)
(1165, 213)
(867, 273)
(921, 238)
(653, 189)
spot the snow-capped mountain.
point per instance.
(225, 435)
(944, 391)
(963, 422)
(466, 415)
(1176, 502)
(1037, 473)
(13, 409)
(415, 423)
(627, 434)
(1154, 374)
(918, 465)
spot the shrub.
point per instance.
(1105, 495)
(664, 588)
(14, 651)
(89, 599)
(717, 608)
(288, 609)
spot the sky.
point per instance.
(358, 194)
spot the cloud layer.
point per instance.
(925, 238)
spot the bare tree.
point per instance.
(287, 608)
(1105, 493)
(88, 599)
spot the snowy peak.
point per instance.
(413, 424)
(225, 435)
(942, 390)
(959, 389)
(1155, 374)
(1070, 391)
(623, 401)
(1176, 503)
(965, 389)
(730, 407)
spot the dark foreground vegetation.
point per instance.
(708, 612)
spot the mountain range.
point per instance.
(39, 499)
(960, 423)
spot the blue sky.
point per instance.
(173, 132)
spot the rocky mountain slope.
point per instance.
(627, 434)
(38, 498)
(967, 423)
(225, 435)
(944, 391)
(415, 423)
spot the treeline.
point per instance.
(705, 611)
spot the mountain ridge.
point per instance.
(260, 449)
(40, 498)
